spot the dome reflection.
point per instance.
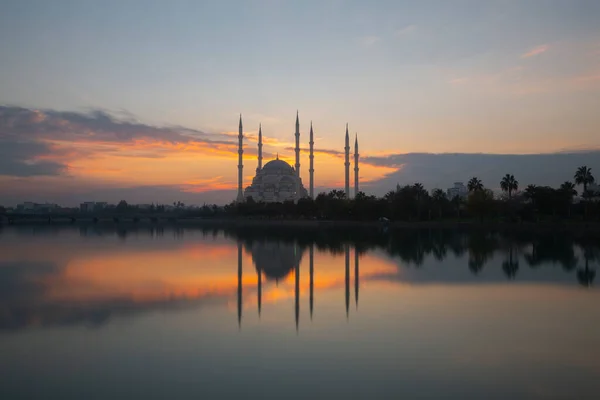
(275, 259)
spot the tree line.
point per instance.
(414, 203)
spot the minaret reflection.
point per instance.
(297, 293)
(311, 254)
(356, 276)
(239, 292)
(259, 273)
(275, 260)
(347, 251)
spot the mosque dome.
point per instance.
(277, 165)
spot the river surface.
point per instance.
(91, 313)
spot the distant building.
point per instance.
(459, 189)
(91, 206)
(36, 208)
(87, 206)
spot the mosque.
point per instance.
(278, 181)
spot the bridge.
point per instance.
(91, 218)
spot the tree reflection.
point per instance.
(552, 249)
(586, 275)
(417, 246)
(277, 251)
(510, 266)
(481, 247)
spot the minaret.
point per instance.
(240, 195)
(239, 291)
(259, 148)
(356, 165)
(356, 276)
(347, 164)
(311, 255)
(297, 145)
(347, 276)
(312, 166)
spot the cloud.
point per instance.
(94, 126)
(369, 40)
(458, 81)
(405, 31)
(536, 51)
(441, 170)
(205, 185)
(22, 158)
(335, 153)
(588, 78)
(44, 142)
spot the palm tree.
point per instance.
(457, 202)
(439, 198)
(474, 184)
(584, 177)
(418, 187)
(337, 194)
(568, 189)
(509, 184)
(530, 192)
(420, 195)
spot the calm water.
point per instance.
(106, 314)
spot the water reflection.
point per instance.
(186, 313)
(49, 276)
(277, 260)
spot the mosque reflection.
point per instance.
(276, 260)
(52, 276)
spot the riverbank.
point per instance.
(309, 224)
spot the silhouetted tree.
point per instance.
(509, 184)
(421, 196)
(439, 200)
(568, 191)
(337, 194)
(474, 184)
(457, 203)
(480, 202)
(583, 176)
(530, 191)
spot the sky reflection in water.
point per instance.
(140, 313)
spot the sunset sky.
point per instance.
(141, 99)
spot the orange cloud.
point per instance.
(536, 51)
(594, 77)
(458, 81)
(204, 185)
